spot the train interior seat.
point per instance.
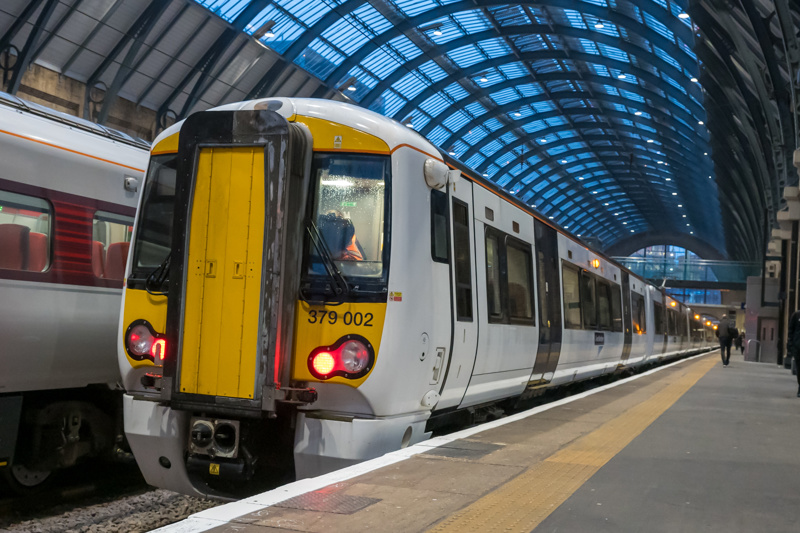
(98, 259)
(14, 245)
(116, 256)
(37, 251)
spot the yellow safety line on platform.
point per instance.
(524, 502)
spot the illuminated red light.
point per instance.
(159, 349)
(323, 363)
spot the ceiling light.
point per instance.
(650, 140)
(683, 15)
(680, 205)
(594, 192)
(566, 227)
(684, 216)
(579, 234)
(563, 160)
(710, 177)
(700, 122)
(551, 218)
(638, 113)
(668, 179)
(599, 26)
(621, 76)
(542, 141)
(693, 79)
(517, 114)
(624, 223)
(605, 204)
(616, 214)
(580, 178)
(705, 153)
(632, 231)
(437, 32)
(484, 79)
(691, 233)
(674, 194)
(486, 175)
(688, 224)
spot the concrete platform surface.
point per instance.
(688, 447)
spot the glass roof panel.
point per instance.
(469, 112)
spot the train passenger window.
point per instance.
(603, 305)
(672, 323)
(658, 317)
(154, 233)
(616, 307)
(493, 277)
(111, 237)
(463, 261)
(588, 301)
(639, 324)
(520, 281)
(572, 298)
(25, 230)
(440, 249)
(349, 209)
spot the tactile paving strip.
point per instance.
(326, 502)
(524, 502)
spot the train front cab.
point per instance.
(220, 384)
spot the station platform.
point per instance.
(690, 446)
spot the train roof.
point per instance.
(14, 102)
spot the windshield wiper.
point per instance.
(155, 280)
(340, 286)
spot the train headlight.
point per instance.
(354, 356)
(350, 357)
(142, 342)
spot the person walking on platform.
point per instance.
(793, 343)
(739, 342)
(726, 331)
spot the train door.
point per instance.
(464, 341)
(549, 296)
(626, 316)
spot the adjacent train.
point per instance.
(67, 205)
(310, 276)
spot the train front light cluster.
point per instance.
(142, 342)
(350, 357)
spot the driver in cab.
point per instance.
(340, 236)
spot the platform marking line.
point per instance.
(527, 500)
(217, 516)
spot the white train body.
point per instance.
(471, 307)
(64, 212)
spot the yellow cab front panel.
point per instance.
(319, 325)
(223, 274)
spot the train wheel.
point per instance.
(25, 481)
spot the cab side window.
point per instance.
(25, 232)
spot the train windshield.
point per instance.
(154, 233)
(350, 213)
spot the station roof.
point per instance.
(626, 122)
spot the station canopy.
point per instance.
(628, 123)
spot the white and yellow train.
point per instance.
(310, 276)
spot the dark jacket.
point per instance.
(793, 339)
(726, 331)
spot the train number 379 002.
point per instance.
(332, 317)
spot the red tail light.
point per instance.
(350, 357)
(159, 349)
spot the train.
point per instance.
(68, 196)
(312, 283)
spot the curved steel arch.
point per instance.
(450, 46)
(698, 245)
(619, 19)
(578, 112)
(487, 91)
(670, 145)
(629, 145)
